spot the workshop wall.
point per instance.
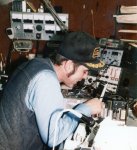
(94, 17)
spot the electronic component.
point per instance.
(22, 45)
(112, 76)
(35, 26)
(110, 43)
(112, 56)
(17, 6)
(10, 33)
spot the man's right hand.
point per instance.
(96, 106)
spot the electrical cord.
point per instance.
(93, 23)
(55, 16)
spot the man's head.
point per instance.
(78, 53)
(82, 48)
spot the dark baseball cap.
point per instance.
(82, 48)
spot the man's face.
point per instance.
(79, 72)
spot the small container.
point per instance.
(118, 114)
(24, 6)
(28, 10)
(110, 113)
(41, 9)
(123, 114)
(106, 112)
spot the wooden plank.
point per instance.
(133, 44)
(128, 9)
(130, 19)
(127, 31)
(129, 40)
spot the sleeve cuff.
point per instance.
(84, 109)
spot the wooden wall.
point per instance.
(4, 23)
(92, 16)
(101, 22)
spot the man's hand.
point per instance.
(96, 106)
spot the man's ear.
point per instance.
(69, 67)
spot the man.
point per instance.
(32, 99)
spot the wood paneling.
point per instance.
(101, 23)
(4, 23)
(92, 16)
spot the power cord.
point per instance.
(55, 16)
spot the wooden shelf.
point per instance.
(127, 31)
